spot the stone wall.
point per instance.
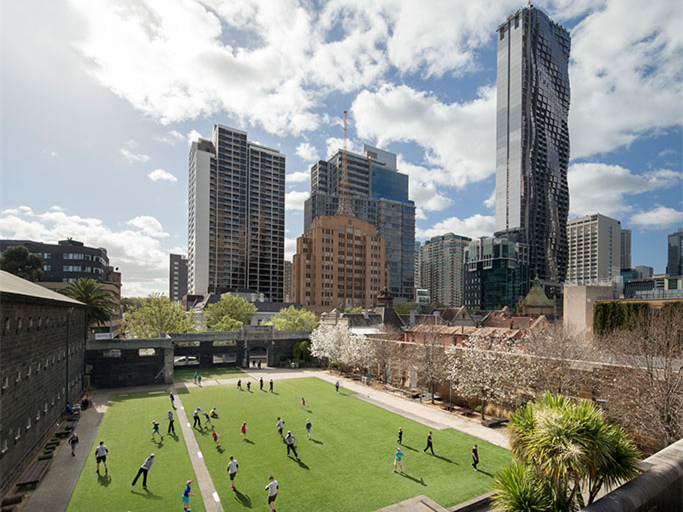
(42, 354)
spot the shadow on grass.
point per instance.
(220, 449)
(316, 441)
(244, 499)
(104, 480)
(301, 464)
(274, 393)
(249, 441)
(408, 447)
(420, 481)
(159, 443)
(148, 494)
(446, 459)
(487, 474)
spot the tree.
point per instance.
(430, 361)
(230, 306)
(385, 352)
(227, 324)
(99, 300)
(328, 342)
(353, 310)
(302, 351)
(19, 261)
(131, 303)
(404, 308)
(157, 316)
(357, 352)
(571, 450)
(295, 319)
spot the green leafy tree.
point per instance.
(404, 308)
(156, 316)
(352, 310)
(302, 351)
(227, 324)
(571, 450)
(100, 301)
(19, 261)
(295, 319)
(230, 306)
(131, 303)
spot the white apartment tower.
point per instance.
(443, 268)
(594, 249)
(236, 216)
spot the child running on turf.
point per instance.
(186, 495)
(248, 385)
(216, 438)
(400, 436)
(199, 380)
(239, 384)
(207, 419)
(155, 430)
(197, 420)
(308, 428)
(303, 402)
(243, 430)
(397, 460)
(233, 468)
(280, 425)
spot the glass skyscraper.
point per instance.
(532, 139)
(378, 194)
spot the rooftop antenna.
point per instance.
(344, 202)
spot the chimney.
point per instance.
(365, 314)
(412, 317)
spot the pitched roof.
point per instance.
(9, 283)
(537, 297)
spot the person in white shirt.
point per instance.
(144, 469)
(171, 420)
(101, 456)
(289, 439)
(272, 489)
(280, 426)
(233, 468)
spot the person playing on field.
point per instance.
(199, 380)
(308, 428)
(243, 430)
(248, 385)
(400, 436)
(73, 441)
(216, 438)
(233, 468)
(260, 383)
(195, 377)
(171, 420)
(280, 425)
(336, 386)
(197, 420)
(271, 385)
(144, 469)
(172, 400)
(429, 446)
(475, 457)
(101, 456)
(397, 460)
(303, 402)
(272, 489)
(186, 495)
(155, 430)
(214, 413)
(239, 384)
(207, 420)
(289, 440)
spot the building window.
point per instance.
(45, 409)
(7, 325)
(5, 382)
(28, 423)
(38, 416)
(4, 445)
(146, 352)
(114, 352)
(28, 372)
(18, 436)
(20, 323)
(18, 378)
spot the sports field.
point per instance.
(186, 373)
(346, 466)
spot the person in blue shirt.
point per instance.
(186, 495)
(397, 460)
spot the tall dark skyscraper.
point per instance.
(236, 216)
(532, 139)
(378, 194)
(674, 260)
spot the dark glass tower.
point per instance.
(532, 139)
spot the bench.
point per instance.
(494, 422)
(64, 431)
(35, 473)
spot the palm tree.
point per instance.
(100, 301)
(569, 447)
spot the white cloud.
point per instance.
(307, 152)
(602, 188)
(136, 250)
(160, 174)
(134, 158)
(193, 136)
(473, 227)
(295, 200)
(290, 248)
(490, 202)
(171, 137)
(658, 218)
(298, 177)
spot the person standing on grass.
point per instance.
(199, 380)
(243, 430)
(233, 468)
(475, 457)
(207, 420)
(197, 420)
(155, 430)
(186, 495)
(400, 436)
(216, 438)
(239, 384)
(73, 441)
(429, 443)
(195, 377)
(308, 428)
(397, 460)
(290, 439)
(272, 489)
(171, 421)
(280, 426)
(144, 469)
(101, 456)
(172, 400)
(271, 385)
(303, 402)
(336, 386)
(249, 385)
(260, 383)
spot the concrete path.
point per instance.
(417, 504)
(209, 495)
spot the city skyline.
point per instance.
(109, 117)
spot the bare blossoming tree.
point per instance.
(357, 352)
(328, 342)
(429, 359)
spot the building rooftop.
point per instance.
(9, 283)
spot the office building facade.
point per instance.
(418, 264)
(496, 273)
(443, 268)
(236, 216)
(674, 262)
(378, 194)
(625, 248)
(594, 249)
(177, 277)
(339, 263)
(532, 139)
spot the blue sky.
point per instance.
(100, 100)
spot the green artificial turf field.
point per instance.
(127, 430)
(186, 374)
(348, 463)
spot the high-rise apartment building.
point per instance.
(378, 194)
(177, 277)
(236, 221)
(418, 264)
(497, 273)
(674, 262)
(443, 268)
(339, 263)
(532, 139)
(287, 282)
(594, 249)
(625, 248)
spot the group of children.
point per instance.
(430, 446)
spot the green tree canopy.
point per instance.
(230, 306)
(295, 319)
(100, 301)
(156, 316)
(131, 303)
(19, 261)
(353, 310)
(403, 308)
(227, 324)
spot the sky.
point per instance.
(101, 99)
